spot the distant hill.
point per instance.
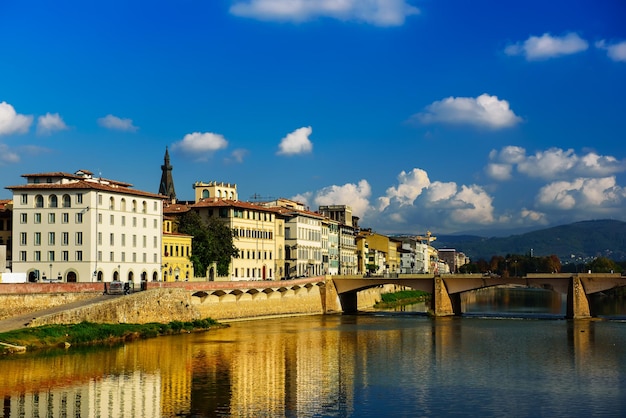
(576, 242)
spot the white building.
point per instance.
(80, 228)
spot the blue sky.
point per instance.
(449, 116)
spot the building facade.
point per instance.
(81, 228)
(176, 253)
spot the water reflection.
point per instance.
(514, 301)
(336, 366)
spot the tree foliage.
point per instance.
(212, 242)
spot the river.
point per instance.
(373, 364)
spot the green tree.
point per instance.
(212, 243)
(603, 265)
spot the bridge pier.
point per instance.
(349, 302)
(442, 303)
(577, 301)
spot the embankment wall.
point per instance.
(158, 305)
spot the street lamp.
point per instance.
(50, 271)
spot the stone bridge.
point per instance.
(446, 289)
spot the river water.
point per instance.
(373, 364)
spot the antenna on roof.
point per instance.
(258, 198)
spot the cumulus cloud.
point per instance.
(117, 124)
(483, 111)
(200, 144)
(533, 216)
(49, 123)
(617, 51)
(375, 12)
(593, 195)
(410, 186)
(551, 164)
(297, 142)
(12, 122)
(354, 195)
(547, 46)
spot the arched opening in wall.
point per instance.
(32, 276)
(100, 276)
(144, 276)
(165, 276)
(211, 274)
(205, 194)
(264, 272)
(71, 277)
(116, 276)
(67, 201)
(155, 276)
(131, 276)
(39, 201)
(53, 201)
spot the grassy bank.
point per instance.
(88, 333)
(403, 297)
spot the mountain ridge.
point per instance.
(576, 242)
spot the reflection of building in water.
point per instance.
(132, 395)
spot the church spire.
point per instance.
(166, 187)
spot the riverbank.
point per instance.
(401, 298)
(87, 333)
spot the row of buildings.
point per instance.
(81, 228)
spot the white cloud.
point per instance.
(200, 144)
(551, 164)
(469, 204)
(592, 195)
(547, 46)
(533, 216)
(118, 124)
(12, 122)
(375, 12)
(354, 195)
(297, 142)
(484, 111)
(617, 52)
(49, 123)
(409, 188)
(7, 156)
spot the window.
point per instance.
(112, 220)
(123, 257)
(37, 255)
(99, 238)
(123, 220)
(67, 201)
(144, 241)
(79, 238)
(53, 201)
(39, 201)
(79, 218)
(65, 238)
(112, 239)
(22, 255)
(37, 218)
(65, 256)
(51, 218)
(134, 240)
(65, 217)
(37, 238)
(23, 239)
(51, 238)
(100, 199)
(79, 256)
(79, 198)
(23, 218)
(123, 240)
(99, 255)
(111, 203)
(154, 242)
(134, 206)
(24, 199)
(145, 223)
(50, 255)
(155, 224)
(123, 205)
(144, 207)
(134, 257)
(99, 218)
(111, 256)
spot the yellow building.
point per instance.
(176, 253)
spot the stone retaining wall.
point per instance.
(20, 304)
(159, 305)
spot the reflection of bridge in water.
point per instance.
(446, 289)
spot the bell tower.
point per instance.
(166, 187)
